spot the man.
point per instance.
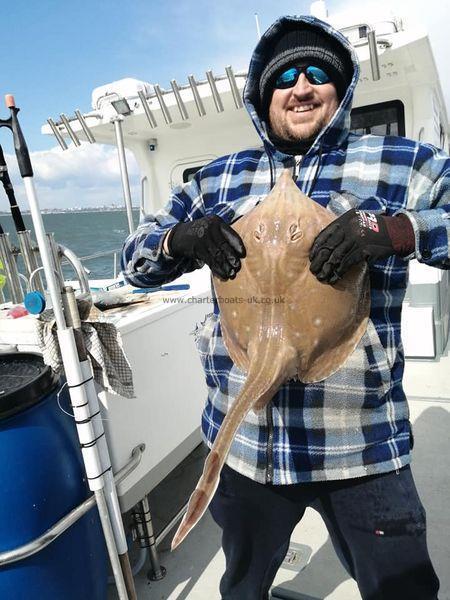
(341, 445)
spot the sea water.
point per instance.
(85, 233)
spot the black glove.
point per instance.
(210, 240)
(353, 237)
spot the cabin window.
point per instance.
(362, 31)
(386, 118)
(188, 174)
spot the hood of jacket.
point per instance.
(333, 134)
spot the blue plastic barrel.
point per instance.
(42, 479)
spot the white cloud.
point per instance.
(88, 165)
(84, 176)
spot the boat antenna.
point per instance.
(258, 30)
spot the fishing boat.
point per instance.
(172, 133)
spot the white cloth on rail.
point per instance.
(104, 348)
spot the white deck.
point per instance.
(195, 568)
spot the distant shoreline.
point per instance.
(71, 211)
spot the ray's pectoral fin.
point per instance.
(263, 378)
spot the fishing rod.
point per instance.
(2, 276)
(9, 190)
(23, 234)
(77, 382)
(7, 257)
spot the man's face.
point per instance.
(302, 111)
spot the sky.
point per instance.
(55, 53)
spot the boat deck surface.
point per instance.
(313, 572)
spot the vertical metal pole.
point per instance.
(77, 389)
(29, 258)
(144, 525)
(10, 267)
(111, 544)
(55, 255)
(373, 53)
(123, 170)
(110, 493)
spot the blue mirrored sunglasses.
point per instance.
(289, 78)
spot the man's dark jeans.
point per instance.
(376, 523)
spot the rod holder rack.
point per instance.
(55, 255)
(8, 258)
(57, 134)
(234, 88)
(162, 104)
(148, 113)
(181, 106)
(29, 258)
(84, 126)
(214, 91)
(158, 94)
(69, 130)
(198, 101)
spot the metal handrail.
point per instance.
(15, 251)
(96, 255)
(114, 252)
(73, 260)
(381, 41)
(359, 25)
(22, 552)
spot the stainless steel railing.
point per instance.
(63, 256)
(30, 548)
(115, 252)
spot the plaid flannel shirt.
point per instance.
(355, 422)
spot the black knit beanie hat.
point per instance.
(302, 45)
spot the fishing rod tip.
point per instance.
(9, 101)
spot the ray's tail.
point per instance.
(263, 379)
